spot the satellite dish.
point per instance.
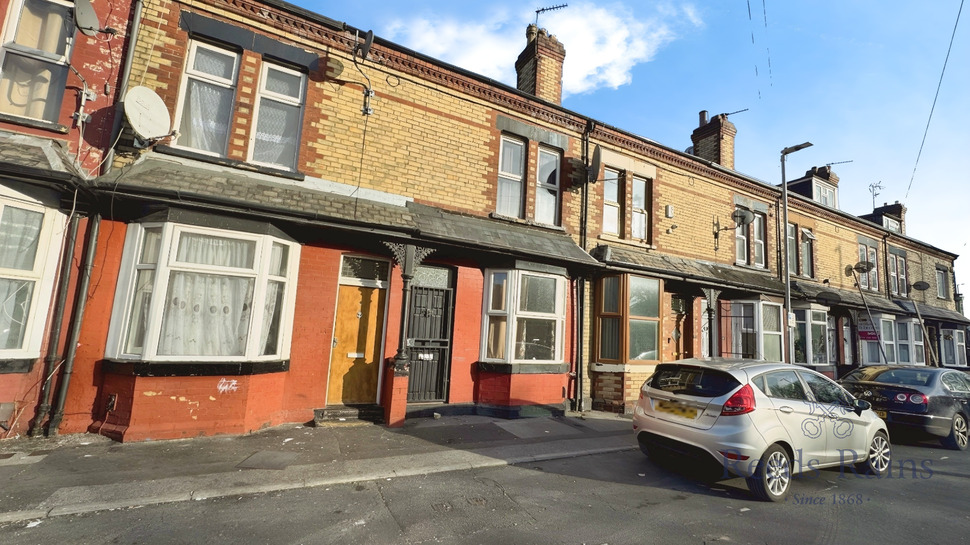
(147, 113)
(594, 167)
(828, 298)
(85, 18)
(863, 267)
(742, 217)
(921, 286)
(363, 48)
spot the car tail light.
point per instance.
(742, 402)
(901, 398)
(918, 399)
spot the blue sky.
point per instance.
(857, 78)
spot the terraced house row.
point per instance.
(222, 215)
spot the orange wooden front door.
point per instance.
(358, 335)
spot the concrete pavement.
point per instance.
(84, 473)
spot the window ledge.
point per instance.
(18, 365)
(523, 368)
(34, 123)
(636, 243)
(752, 267)
(194, 368)
(233, 163)
(532, 223)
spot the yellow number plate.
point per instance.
(675, 408)
(881, 414)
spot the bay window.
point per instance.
(756, 330)
(628, 318)
(878, 339)
(810, 341)
(28, 266)
(909, 343)
(953, 347)
(195, 294)
(36, 52)
(525, 316)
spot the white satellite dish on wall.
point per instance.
(147, 114)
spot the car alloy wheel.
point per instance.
(880, 455)
(957, 440)
(772, 479)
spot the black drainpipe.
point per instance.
(51, 361)
(81, 299)
(580, 400)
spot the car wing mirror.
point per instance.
(859, 405)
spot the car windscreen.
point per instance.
(694, 381)
(902, 376)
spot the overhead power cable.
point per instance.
(936, 96)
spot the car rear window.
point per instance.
(904, 377)
(695, 381)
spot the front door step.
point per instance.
(349, 413)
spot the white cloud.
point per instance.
(603, 42)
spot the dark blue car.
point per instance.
(928, 400)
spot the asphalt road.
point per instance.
(607, 499)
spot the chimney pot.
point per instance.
(703, 118)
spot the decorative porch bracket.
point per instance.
(408, 257)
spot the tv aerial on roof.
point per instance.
(147, 115)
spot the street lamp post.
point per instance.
(789, 319)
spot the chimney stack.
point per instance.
(539, 67)
(714, 140)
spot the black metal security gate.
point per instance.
(429, 343)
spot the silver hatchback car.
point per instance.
(761, 421)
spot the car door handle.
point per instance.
(786, 409)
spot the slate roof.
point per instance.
(929, 312)
(701, 272)
(158, 175)
(37, 157)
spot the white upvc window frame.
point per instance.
(59, 62)
(511, 177)
(826, 194)
(883, 350)
(507, 306)
(612, 189)
(806, 263)
(548, 186)
(942, 284)
(897, 275)
(869, 281)
(166, 262)
(264, 94)
(741, 251)
(42, 275)
(909, 342)
(892, 224)
(815, 320)
(189, 73)
(791, 234)
(639, 206)
(762, 335)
